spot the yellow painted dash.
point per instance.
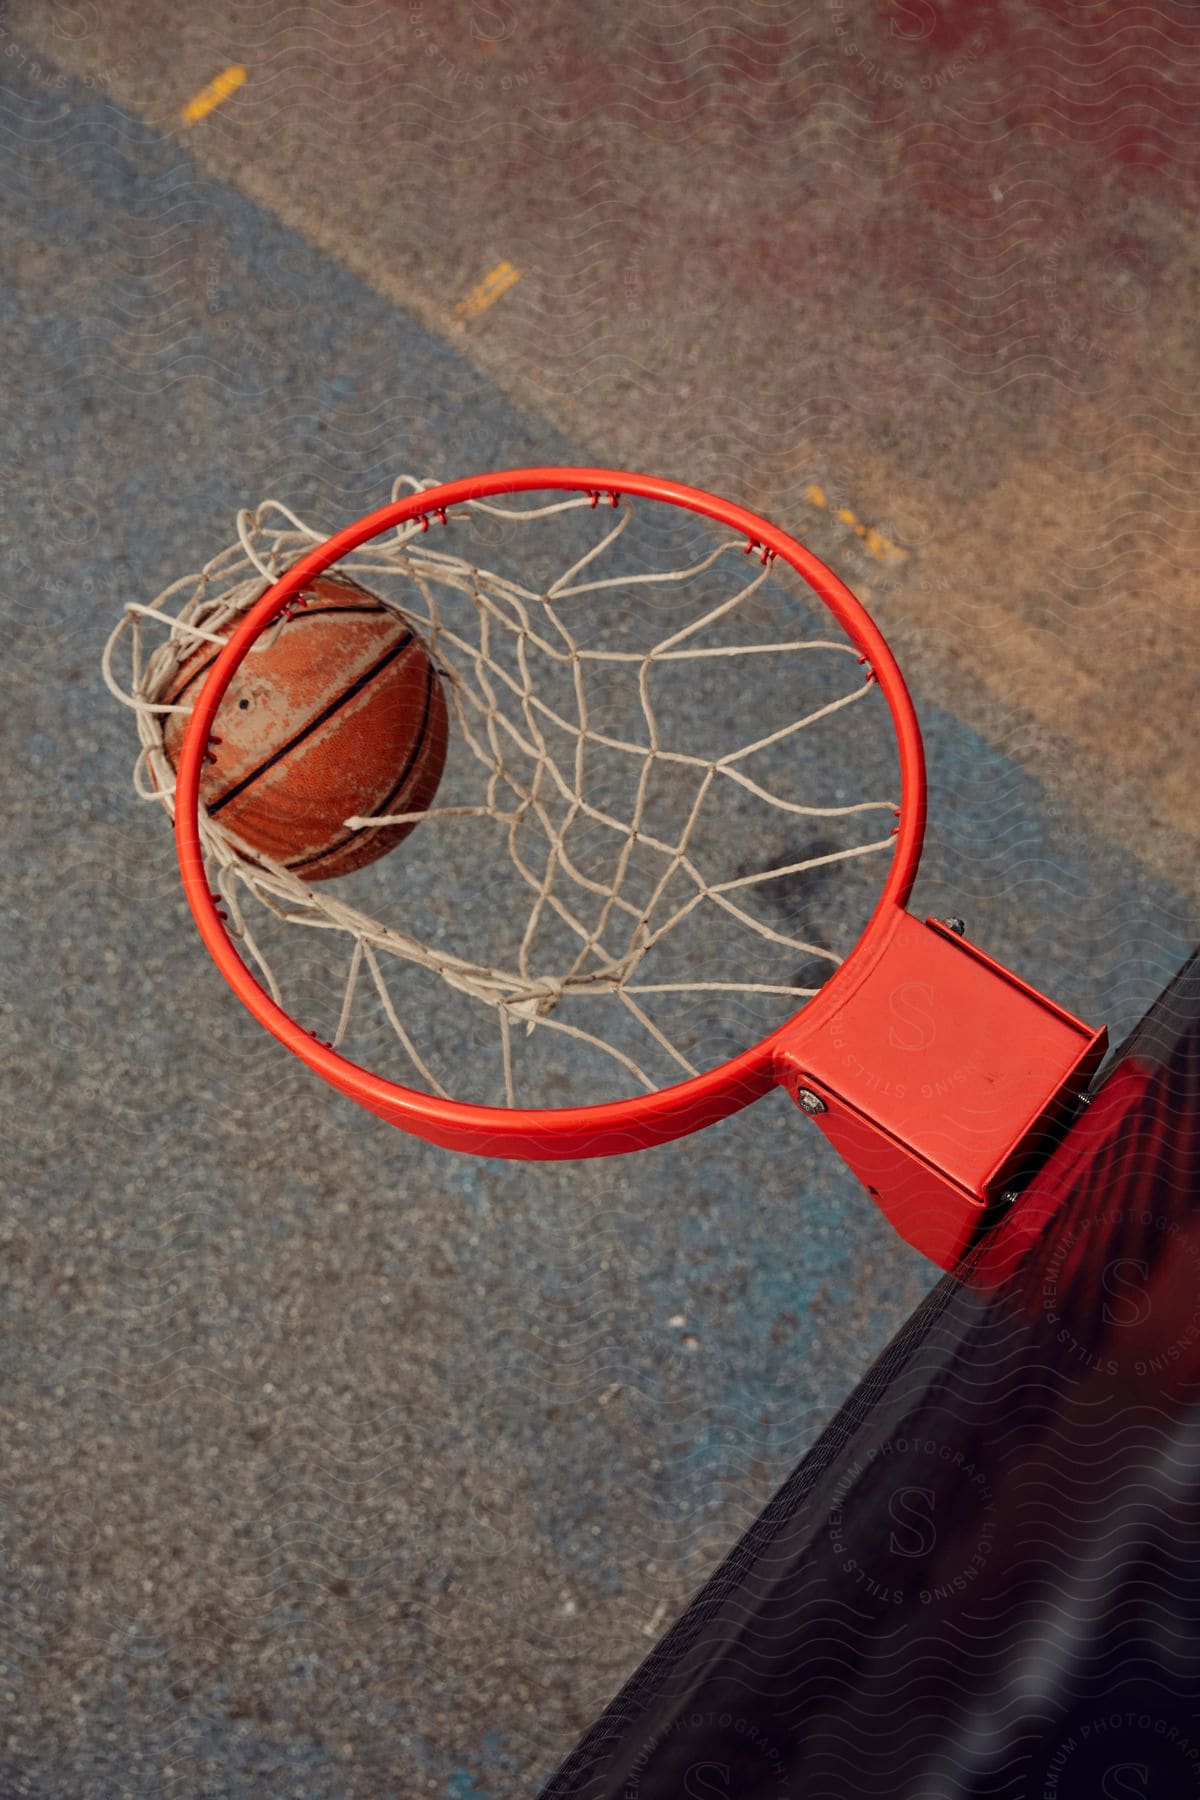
(210, 97)
(881, 547)
(486, 292)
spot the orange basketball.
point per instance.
(336, 711)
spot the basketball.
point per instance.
(337, 711)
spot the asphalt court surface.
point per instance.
(336, 1465)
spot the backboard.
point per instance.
(983, 1578)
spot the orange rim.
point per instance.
(619, 1125)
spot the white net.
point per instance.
(623, 878)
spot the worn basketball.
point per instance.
(337, 711)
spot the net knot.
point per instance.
(765, 555)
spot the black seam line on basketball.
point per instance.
(316, 611)
(312, 612)
(332, 849)
(322, 718)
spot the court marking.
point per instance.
(881, 548)
(485, 293)
(211, 96)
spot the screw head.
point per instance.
(956, 925)
(810, 1102)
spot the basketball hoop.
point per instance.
(936, 1186)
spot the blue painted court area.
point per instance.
(336, 1465)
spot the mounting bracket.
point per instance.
(942, 1080)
